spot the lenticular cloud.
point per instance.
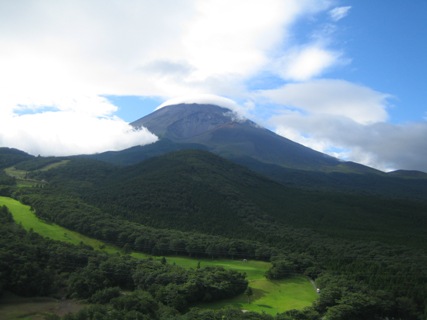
(202, 99)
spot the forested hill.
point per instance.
(349, 178)
(10, 156)
(196, 190)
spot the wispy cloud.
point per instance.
(339, 13)
(332, 97)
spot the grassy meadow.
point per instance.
(269, 296)
(23, 215)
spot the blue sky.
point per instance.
(347, 78)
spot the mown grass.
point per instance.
(255, 270)
(269, 296)
(272, 297)
(23, 215)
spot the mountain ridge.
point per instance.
(227, 134)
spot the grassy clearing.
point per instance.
(21, 177)
(23, 215)
(255, 270)
(13, 172)
(54, 165)
(271, 297)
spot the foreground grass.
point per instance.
(23, 215)
(269, 296)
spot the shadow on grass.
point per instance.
(258, 294)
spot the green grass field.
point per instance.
(269, 296)
(273, 297)
(23, 215)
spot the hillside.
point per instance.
(196, 190)
(10, 156)
(366, 253)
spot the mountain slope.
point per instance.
(219, 130)
(10, 156)
(224, 133)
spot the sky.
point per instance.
(347, 78)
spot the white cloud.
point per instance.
(201, 99)
(339, 13)
(347, 121)
(238, 112)
(64, 125)
(381, 145)
(332, 97)
(141, 47)
(306, 63)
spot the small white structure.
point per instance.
(318, 290)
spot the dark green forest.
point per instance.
(366, 253)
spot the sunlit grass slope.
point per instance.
(269, 296)
(273, 297)
(23, 215)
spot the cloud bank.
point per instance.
(68, 131)
(348, 121)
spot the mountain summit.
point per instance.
(223, 132)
